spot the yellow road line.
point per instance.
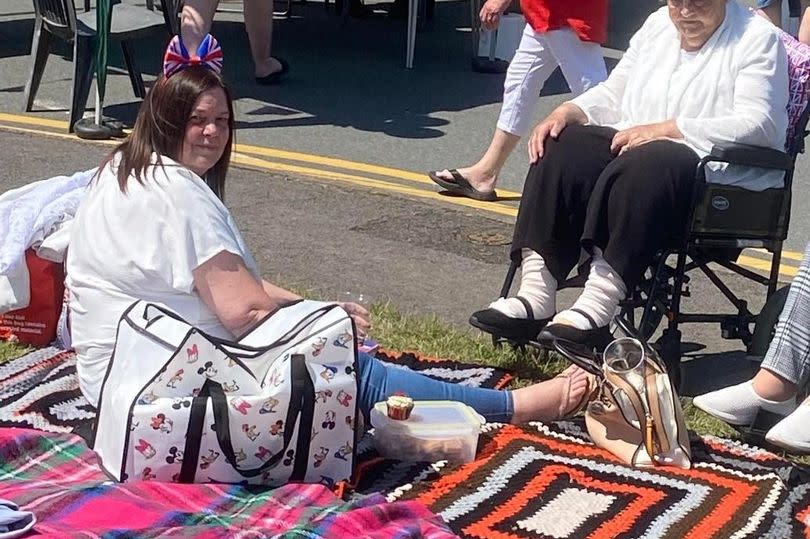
(765, 266)
(333, 162)
(239, 157)
(68, 136)
(33, 120)
(419, 177)
(790, 255)
(366, 182)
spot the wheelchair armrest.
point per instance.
(749, 156)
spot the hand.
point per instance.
(552, 126)
(361, 317)
(630, 138)
(491, 12)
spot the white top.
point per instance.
(142, 245)
(735, 89)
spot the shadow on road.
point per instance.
(344, 73)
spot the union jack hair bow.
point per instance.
(177, 57)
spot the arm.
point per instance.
(804, 27)
(491, 13)
(602, 104)
(234, 295)
(627, 139)
(240, 302)
(195, 21)
(561, 117)
(758, 115)
(284, 295)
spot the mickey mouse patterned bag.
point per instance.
(278, 406)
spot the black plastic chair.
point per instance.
(58, 18)
(171, 13)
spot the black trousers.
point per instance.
(580, 195)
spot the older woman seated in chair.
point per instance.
(613, 170)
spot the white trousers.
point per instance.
(536, 58)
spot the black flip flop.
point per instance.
(461, 186)
(275, 76)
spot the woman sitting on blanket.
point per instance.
(613, 170)
(784, 371)
(151, 229)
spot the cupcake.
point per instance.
(399, 407)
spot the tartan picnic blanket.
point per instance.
(56, 476)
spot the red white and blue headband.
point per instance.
(177, 57)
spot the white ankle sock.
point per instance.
(537, 285)
(603, 291)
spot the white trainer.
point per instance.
(738, 405)
(793, 432)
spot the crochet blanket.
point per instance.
(543, 481)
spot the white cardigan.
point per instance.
(735, 89)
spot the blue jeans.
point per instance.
(379, 381)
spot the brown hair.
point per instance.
(161, 126)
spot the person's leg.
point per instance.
(195, 21)
(548, 228)
(804, 25)
(259, 26)
(581, 62)
(787, 362)
(786, 366)
(545, 401)
(556, 194)
(527, 73)
(784, 369)
(639, 205)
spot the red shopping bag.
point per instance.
(36, 324)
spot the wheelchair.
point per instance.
(723, 220)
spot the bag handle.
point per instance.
(649, 351)
(580, 355)
(302, 404)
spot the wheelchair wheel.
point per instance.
(648, 329)
(765, 326)
(669, 348)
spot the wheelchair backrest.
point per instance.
(798, 55)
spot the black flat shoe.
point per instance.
(596, 338)
(500, 326)
(275, 76)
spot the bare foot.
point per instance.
(481, 180)
(551, 399)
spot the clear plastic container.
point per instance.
(436, 430)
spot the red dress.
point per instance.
(588, 18)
